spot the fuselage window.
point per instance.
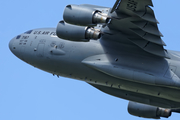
(28, 32)
(18, 36)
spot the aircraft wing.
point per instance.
(136, 20)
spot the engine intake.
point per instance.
(76, 33)
(147, 111)
(83, 16)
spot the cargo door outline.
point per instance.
(40, 50)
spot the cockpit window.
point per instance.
(18, 36)
(28, 32)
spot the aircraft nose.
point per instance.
(11, 47)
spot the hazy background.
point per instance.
(27, 93)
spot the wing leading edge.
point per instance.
(136, 20)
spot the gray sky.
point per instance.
(27, 93)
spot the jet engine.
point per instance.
(76, 33)
(83, 15)
(147, 111)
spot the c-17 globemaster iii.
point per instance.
(118, 50)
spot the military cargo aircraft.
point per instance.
(117, 50)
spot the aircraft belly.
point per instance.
(62, 65)
(153, 91)
(84, 73)
(81, 72)
(89, 63)
(138, 97)
(131, 73)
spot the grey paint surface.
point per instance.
(150, 79)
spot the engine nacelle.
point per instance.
(76, 33)
(83, 16)
(147, 111)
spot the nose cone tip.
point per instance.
(11, 45)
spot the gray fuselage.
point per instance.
(43, 49)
